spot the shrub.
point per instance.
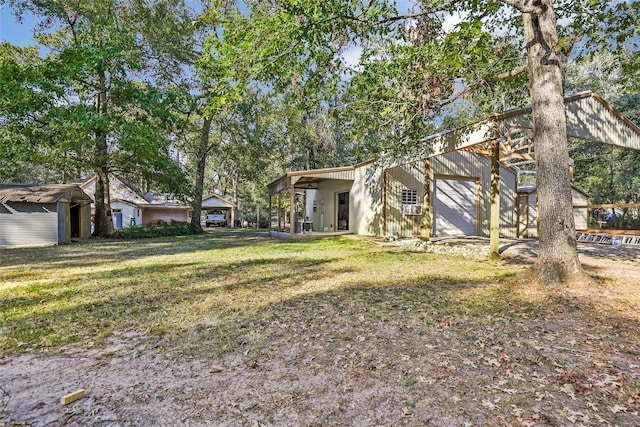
(160, 229)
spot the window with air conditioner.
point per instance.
(410, 204)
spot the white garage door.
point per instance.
(454, 207)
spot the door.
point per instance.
(75, 221)
(455, 206)
(343, 211)
(118, 220)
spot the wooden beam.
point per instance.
(270, 211)
(426, 202)
(279, 211)
(609, 206)
(494, 236)
(72, 397)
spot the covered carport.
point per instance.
(508, 138)
(217, 203)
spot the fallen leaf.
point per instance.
(489, 405)
(617, 408)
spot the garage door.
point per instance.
(454, 206)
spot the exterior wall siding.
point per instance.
(508, 185)
(366, 201)
(28, 224)
(580, 216)
(128, 212)
(409, 176)
(454, 164)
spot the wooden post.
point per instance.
(270, 212)
(426, 202)
(494, 237)
(279, 211)
(384, 202)
(292, 211)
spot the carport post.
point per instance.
(279, 211)
(494, 236)
(292, 210)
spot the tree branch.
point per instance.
(502, 76)
(536, 8)
(507, 74)
(397, 18)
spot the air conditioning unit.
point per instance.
(411, 209)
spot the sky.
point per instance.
(13, 32)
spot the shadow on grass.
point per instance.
(101, 251)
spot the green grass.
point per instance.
(207, 288)
(426, 326)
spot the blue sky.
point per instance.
(12, 31)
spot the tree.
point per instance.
(100, 100)
(428, 67)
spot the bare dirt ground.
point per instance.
(572, 365)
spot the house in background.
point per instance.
(131, 207)
(39, 215)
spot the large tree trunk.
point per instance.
(103, 223)
(103, 220)
(202, 162)
(558, 255)
(235, 211)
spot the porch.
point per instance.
(311, 204)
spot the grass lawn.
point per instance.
(413, 337)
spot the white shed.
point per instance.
(39, 215)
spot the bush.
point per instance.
(161, 229)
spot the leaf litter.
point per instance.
(362, 352)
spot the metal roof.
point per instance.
(346, 173)
(42, 193)
(589, 117)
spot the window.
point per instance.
(409, 197)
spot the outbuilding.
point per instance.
(40, 215)
(527, 209)
(220, 205)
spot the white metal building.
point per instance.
(39, 215)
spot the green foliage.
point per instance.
(163, 229)
(104, 81)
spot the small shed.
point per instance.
(40, 215)
(527, 209)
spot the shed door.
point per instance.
(343, 211)
(454, 206)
